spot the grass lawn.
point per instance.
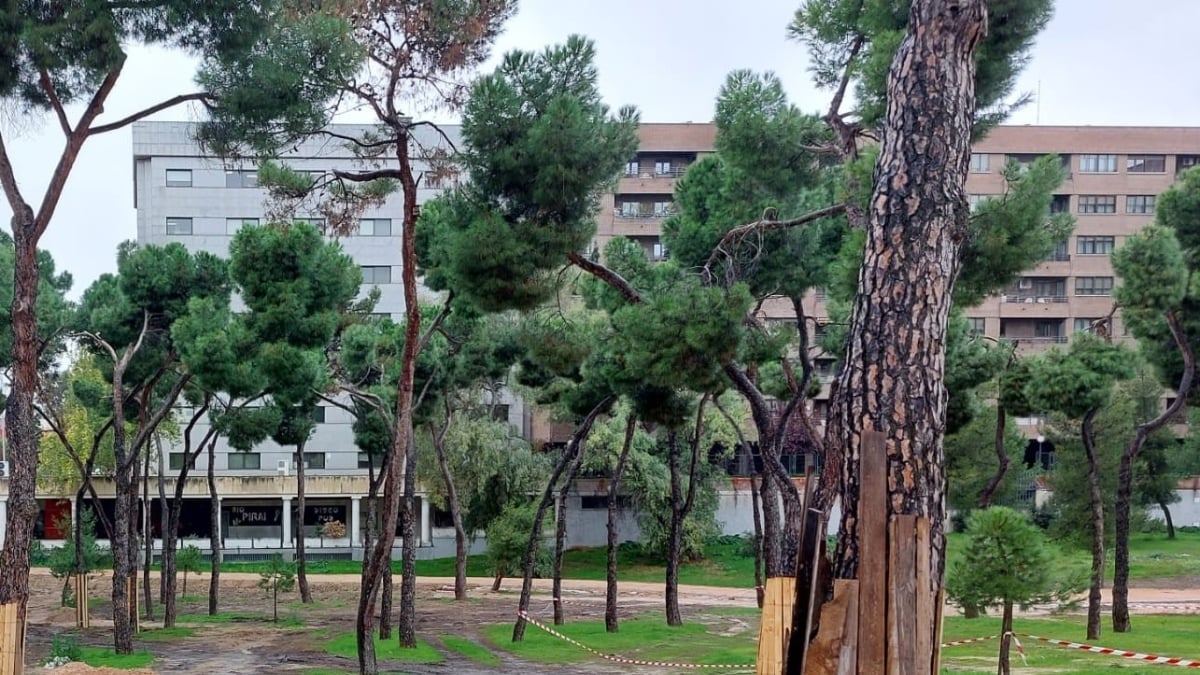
(101, 657)
(1167, 635)
(644, 637)
(165, 634)
(471, 650)
(346, 645)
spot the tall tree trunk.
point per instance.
(1004, 668)
(755, 501)
(123, 544)
(1097, 499)
(147, 540)
(380, 556)
(614, 487)
(22, 429)
(675, 532)
(892, 381)
(1162, 505)
(574, 446)
(560, 538)
(215, 537)
(772, 523)
(164, 520)
(386, 593)
(298, 529)
(460, 534)
(1002, 461)
(408, 564)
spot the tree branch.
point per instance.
(436, 324)
(366, 176)
(157, 107)
(55, 102)
(1183, 391)
(690, 499)
(8, 180)
(765, 225)
(607, 275)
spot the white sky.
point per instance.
(1099, 62)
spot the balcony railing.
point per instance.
(1057, 257)
(1051, 339)
(1035, 299)
(639, 215)
(670, 173)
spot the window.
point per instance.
(978, 325)
(629, 209)
(365, 461)
(1049, 288)
(1094, 245)
(175, 461)
(377, 274)
(232, 225)
(1146, 163)
(980, 163)
(318, 414)
(662, 168)
(1093, 285)
(1060, 204)
(1139, 204)
(662, 209)
(179, 178)
(375, 227)
(1059, 254)
(237, 178)
(244, 461)
(499, 412)
(1084, 325)
(1097, 163)
(601, 502)
(312, 460)
(1184, 162)
(1047, 329)
(659, 251)
(318, 223)
(179, 225)
(975, 200)
(632, 168)
(1097, 204)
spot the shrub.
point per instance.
(65, 646)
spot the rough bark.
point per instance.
(122, 532)
(147, 540)
(1167, 517)
(386, 594)
(755, 501)
(675, 534)
(380, 555)
(1097, 498)
(215, 536)
(407, 627)
(573, 446)
(460, 533)
(614, 487)
(1003, 667)
(164, 520)
(560, 538)
(1124, 503)
(772, 525)
(892, 380)
(1002, 461)
(298, 529)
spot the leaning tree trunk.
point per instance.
(560, 539)
(674, 533)
(755, 500)
(298, 530)
(408, 565)
(610, 589)
(164, 520)
(1002, 461)
(535, 535)
(21, 427)
(460, 533)
(214, 534)
(892, 380)
(1097, 499)
(1162, 505)
(147, 540)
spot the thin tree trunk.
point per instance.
(610, 591)
(460, 534)
(560, 538)
(386, 593)
(215, 539)
(164, 520)
(174, 515)
(298, 530)
(675, 533)
(1004, 668)
(985, 497)
(148, 540)
(1097, 499)
(122, 544)
(408, 564)
(1162, 505)
(755, 501)
(573, 447)
(892, 380)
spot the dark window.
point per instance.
(1093, 285)
(1184, 162)
(1059, 254)
(1048, 329)
(601, 502)
(1146, 163)
(499, 412)
(244, 461)
(1060, 204)
(175, 461)
(179, 225)
(313, 460)
(179, 178)
(1097, 204)
(318, 414)
(365, 461)
(978, 325)
(1090, 245)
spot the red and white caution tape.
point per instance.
(1148, 658)
(956, 643)
(634, 662)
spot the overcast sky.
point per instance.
(1099, 62)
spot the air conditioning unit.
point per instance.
(1025, 284)
(281, 467)
(4, 470)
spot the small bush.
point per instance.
(65, 646)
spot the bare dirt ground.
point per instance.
(257, 646)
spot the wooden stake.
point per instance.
(872, 555)
(902, 606)
(926, 612)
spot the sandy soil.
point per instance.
(251, 647)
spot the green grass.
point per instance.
(346, 645)
(1167, 635)
(100, 657)
(165, 634)
(643, 637)
(475, 652)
